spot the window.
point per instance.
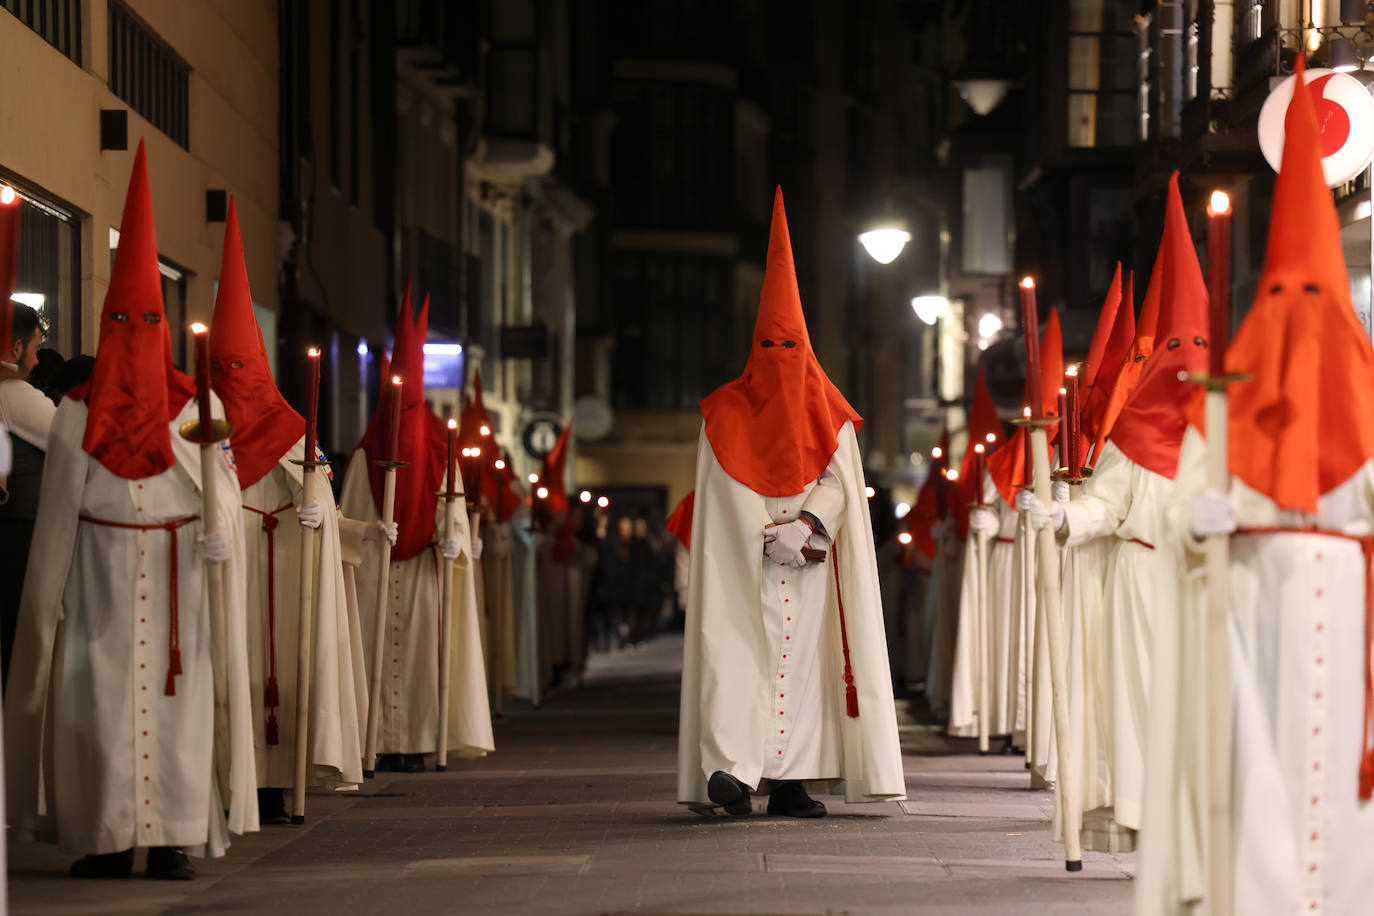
(147, 75)
(1101, 72)
(57, 21)
(987, 224)
(48, 270)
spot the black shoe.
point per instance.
(272, 807)
(390, 763)
(110, 865)
(728, 792)
(413, 763)
(169, 863)
(789, 799)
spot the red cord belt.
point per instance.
(173, 621)
(1366, 543)
(271, 694)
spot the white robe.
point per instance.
(752, 704)
(95, 748)
(1124, 501)
(1300, 835)
(335, 727)
(409, 713)
(498, 586)
(942, 618)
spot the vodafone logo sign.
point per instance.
(1345, 115)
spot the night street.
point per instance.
(575, 814)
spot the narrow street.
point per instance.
(575, 814)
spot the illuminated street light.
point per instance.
(930, 309)
(901, 509)
(884, 243)
(989, 325)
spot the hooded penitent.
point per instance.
(679, 524)
(774, 428)
(930, 505)
(1099, 391)
(134, 391)
(983, 421)
(554, 474)
(422, 443)
(1008, 465)
(1150, 428)
(264, 425)
(494, 480)
(1097, 354)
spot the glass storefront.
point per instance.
(48, 273)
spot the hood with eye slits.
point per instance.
(774, 428)
(264, 425)
(1150, 427)
(134, 391)
(1304, 422)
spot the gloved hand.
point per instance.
(311, 514)
(983, 522)
(1211, 513)
(450, 548)
(1039, 514)
(379, 529)
(783, 543)
(476, 544)
(938, 528)
(1061, 491)
(216, 546)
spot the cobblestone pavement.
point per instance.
(575, 814)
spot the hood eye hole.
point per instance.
(1140, 357)
(151, 317)
(1175, 344)
(1201, 342)
(1311, 288)
(766, 343)
(121, 317)
(236, 364)
(1276, 289)
(788, 344)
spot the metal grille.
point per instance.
(147, 75)
(58, 21)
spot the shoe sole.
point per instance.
(730, 794)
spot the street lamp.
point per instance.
(883, 243)
(982, 94)
(930, 309)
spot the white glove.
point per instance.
(450, 548)
(1039, 514)
(379, 529)
(476, 548)
(1061, 491)
(983, 522)
(784, 543)
(938, 529)
(311, 514)
(216, 546)
(1211, 513)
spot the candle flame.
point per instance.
(452, 423)
(7, 195)
(533, 478)
(1027, 283)
(937, 453)
(979, 448)
(951, 474)
(603, 502)
(395, 380)
(870, 492)
(476, 452)
(1064, 391)
(542, 492)
(1219, 204)
(485, 430)
(198, 328)
(313, 353)
(500, 464)
(585, 496)
(991, 437)
(1025, 411)
(904, 538)
(1072, 370)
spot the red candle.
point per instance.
(1071, 418)
(9, 258)
(451, 490)
(1061, 431)
(202, 338)
(1219, 279)
(1029, 456)
(978, 459)
(312, 401)
(394, 423)
(1030, 322)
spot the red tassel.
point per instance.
(272, 698)
(851, 696)
(272, 735)
(171, 688)
(176, 661)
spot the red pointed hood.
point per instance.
(774, 428)
(265, 426)
(1114, 357)
(1150, 428)
(1304, 423)
(423, 440)
(679, 524)
(1008, 465)
(927, 509)
(134, 391)
(554, 473)
(983, 421)
(1097, 351)
(472, 421)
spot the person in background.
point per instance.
(27, 413)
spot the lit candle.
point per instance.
(1219, 279)
(394, 423)
(202, 338)
(978, 451)
(1030, 322)
(1028, 455)
(451, 490)
(1071, 418)
(9, 258)
(1061, 432)
(312, 402)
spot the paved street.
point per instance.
(575, 814)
